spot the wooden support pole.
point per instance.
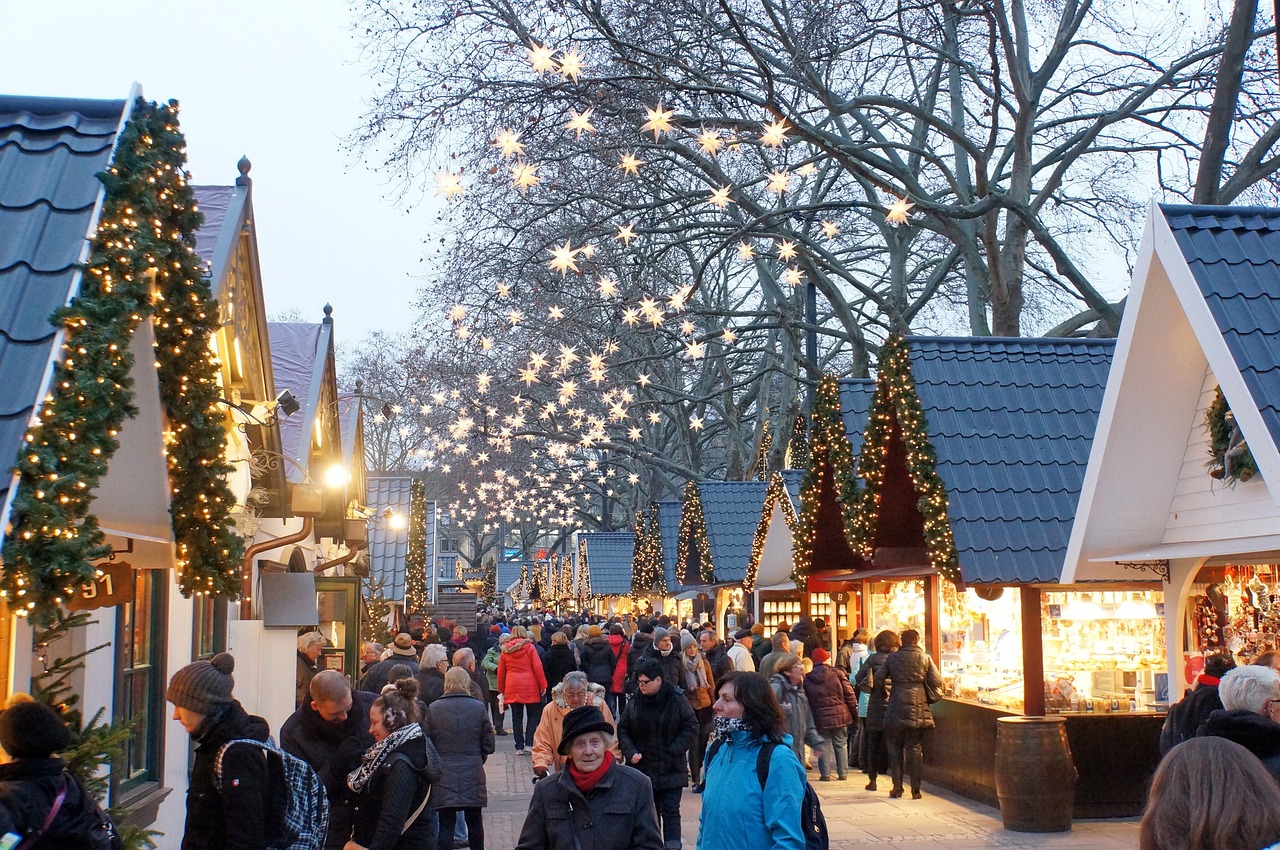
(1032, 653)
(932, 617)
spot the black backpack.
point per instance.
(812, 821)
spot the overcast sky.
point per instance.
(276, 80)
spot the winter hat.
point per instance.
(580, 721)
(758, 629)
(32, 730)
(594, 631)
(205, 686)
(403, 645)
(659, 633)
(819, 656)
(495, 630)
(742, 634)
(686, 641)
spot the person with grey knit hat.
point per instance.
(237, 811)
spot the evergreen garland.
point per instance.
(1243, 465)
(798, 450)
(489, 585)
(522, 590)
(584, 574)
(831, 469)
(146, 233)
(762, 454)
(641, 581)
(415, 561)
(655, 559)
(896, 402)
(693, 536)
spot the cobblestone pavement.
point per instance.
(855, 818)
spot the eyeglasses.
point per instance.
(643, 681)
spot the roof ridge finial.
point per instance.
(328, 314)
(243, 167)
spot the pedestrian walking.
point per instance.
(834, 705)
(233, 813)
(716, 655)
(393, 781)
(559, 660)
(430, 675)
(310, 645)
(594, 803)
(788, 688)
(523, 684)
(399, 653)
(873, 702)
(781, 648)
(617, 695)
(459, 727)
(655, 732)
(330, 732)
(699, 689)
(573, 693)
(908, 714)
(663, 651)
(740, 652)
(42, 804)
(497, 710)
(854, 653)
(738, 811)
(598, 659)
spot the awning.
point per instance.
(1266, 548)
(873, 574)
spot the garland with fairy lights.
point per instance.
(489, 584)
(415, 559)
(656, 560)
(1229, 457)
(896, 401)
(142, 263)
(693, 533)
(522, 589)
(830, 469)
(641, 582)
(774, 494)
(584, 574)
(762, 455)
(798, 449)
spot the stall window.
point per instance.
(139, 683)
(209, 627)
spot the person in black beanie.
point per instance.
(235, 814)
(32, 778)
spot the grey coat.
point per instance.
(463, 736)
(799, 717)
(617, 813)
(907, 669)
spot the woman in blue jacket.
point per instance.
(737, 813)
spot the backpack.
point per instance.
(305, 819)
(812, 821)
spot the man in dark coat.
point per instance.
(655, 732)
(717, 657)
(330, 732)
(244, 812)
(874, 756)
(664, 650)
(1190, 713)
(431, 676)
(401, 652)
(1251, 706)
(804, 632)
(598, 659)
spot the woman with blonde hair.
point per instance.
(1211, 794)
(460, 728)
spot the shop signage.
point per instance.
(113, 586)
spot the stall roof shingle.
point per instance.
(1011, 421)
(732, 510)
(855, 402)
(609, 560)
(51, 151)
(388, 548)
(1234, 256)
(508, 573)
(669, 528)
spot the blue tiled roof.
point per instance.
(388, 548)
(1011, 421)
(794, 480)
(609, 556)
(1234, 255)
(732, 510)
(51, 151)
(508, 574)
(669, 527)
(855, 402)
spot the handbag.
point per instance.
(932, 693)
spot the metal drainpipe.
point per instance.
(246, 565)
(336, 562)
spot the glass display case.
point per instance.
(981, 646)
(834, 611)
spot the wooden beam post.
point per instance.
(932, 617)
(1032, 652)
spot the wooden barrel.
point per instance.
(1035, 777)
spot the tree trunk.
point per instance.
(1217, 134)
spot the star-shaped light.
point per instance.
(695, 350)
(537, 360)
(643, 379)
(808, 169)
(611, 347)
(448, 184)
(659, 121)
(482, 382)
(629, 163)
(567, 390)
(464, 332)
(509, 143)
(486, 343)
(556, 313)
(696, 423)
(654, 417)
(899, 211)
(457, 313)
(580, 122)
(529, 376)
(607, 286)
(524, 175)
(687, 327)
(787, 250)
(709, 141)
(571, 64)
(541, 57)
(745, 251)
(719, 197)
(562, 259)
(635, 434)
(568, 356)
(514, 317)
(793, 276)
(775, 134)
(631, 317)
(626, 233)
(729, 336)
(504, 289)
(830, 229)
(779, 181)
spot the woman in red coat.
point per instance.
(522, 683)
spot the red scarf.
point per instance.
(1208, 680)
(587, 781)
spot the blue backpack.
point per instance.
(305, 819)
(812, 821)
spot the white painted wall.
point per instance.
(177, 743)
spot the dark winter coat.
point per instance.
(391, 797)
(598, 660)
(672, 669)
(334, 750)
(640, 642)
(430, 685)
(463, 736)
(831, 698)
(559, 662)
(307, 670)
(1257, 734)
(804, 632)
(27, 791)
(379, 673)
(720, 662)
(878, 698)
(617, 813)
(661, 728)
(907, 669)
(235, 816)
(1188, 715)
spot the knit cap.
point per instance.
(593, 631)
(32, 730)
(758, 630)
(686, 641)
(659, 633)
(204, 686)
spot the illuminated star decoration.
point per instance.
(457, 313)
(745, 251)
(524, 175)
(580, 122)
(562, 259)
(709, 142)
(830, 229)
(629, 163)
(556, 313)
(659, 121)
(774, 134)
(696, 422)
(571, 65)
(899, 211)
(448, 184)
(719, 197)
(787, 250)
(794, 276)
(626, 233)
(509, 143)
(541, 57)
(779, 181)
(608, 287)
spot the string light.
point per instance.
(830, 474)
(415, 562)
(692, 537)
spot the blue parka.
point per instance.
(734, 813)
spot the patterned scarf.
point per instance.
(378, 753)
(725, 725)
(695, 677)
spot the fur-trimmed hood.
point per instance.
(595, 693)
